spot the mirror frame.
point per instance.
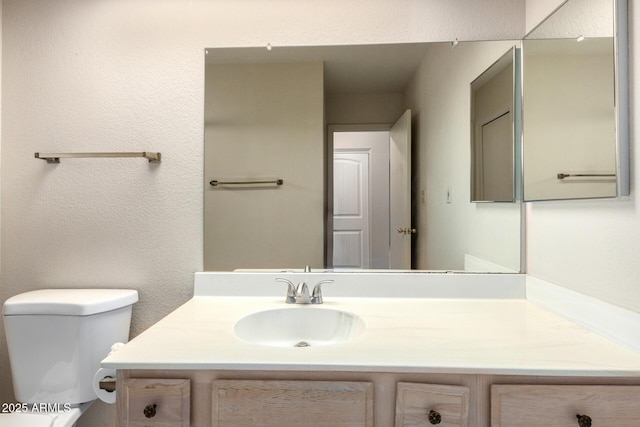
(621, 85)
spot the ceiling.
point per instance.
(348, 69)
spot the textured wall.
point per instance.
(0, 158)
(93, 75)
(537, 10)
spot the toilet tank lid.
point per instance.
(69, 302)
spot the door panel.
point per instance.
(497, 159)
(351, 210)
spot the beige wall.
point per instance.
(439, 98)
(555, 98)
(383, 108)
(264, 121)
(0, 163)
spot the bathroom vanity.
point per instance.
(447, 349)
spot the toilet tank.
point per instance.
(56, 339)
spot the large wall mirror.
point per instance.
(575, 103)
(292, 133)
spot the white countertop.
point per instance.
(445, 335)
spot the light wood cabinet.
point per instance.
(151, 402)
(565, 406)
(210, 398)
(291, 403)
(431, 404)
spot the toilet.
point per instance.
(56, 339)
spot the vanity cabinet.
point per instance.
(431, 404)
(265, 398)
(150, 402)
(565, 406)
(291, 403)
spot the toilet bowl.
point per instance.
(56, 339)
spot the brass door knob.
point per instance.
(435, 417)
(584, 420)
(150, 411)
(407, 230)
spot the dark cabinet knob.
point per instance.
(584, 420)
(150, 411)
(435, 417)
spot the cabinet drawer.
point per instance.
(560, 405)
(238, 403)
(431, 404)
(154, 402)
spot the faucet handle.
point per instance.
(291, 290)
(316, 296)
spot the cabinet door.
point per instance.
(239, 403)
(154, 402)
(431, 404)
(565, 406)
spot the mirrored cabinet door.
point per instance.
(493, 131)
(575, 112)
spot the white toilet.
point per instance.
(56, 339)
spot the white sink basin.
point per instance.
(299, 326)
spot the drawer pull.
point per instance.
(150, 411)
(435, 417)
(584, 420)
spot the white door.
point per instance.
(351, 228)
(400, 193)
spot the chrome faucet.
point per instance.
(300, 294)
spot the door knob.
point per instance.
(407, 230)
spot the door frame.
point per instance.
(400, 191)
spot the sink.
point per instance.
(299, 326)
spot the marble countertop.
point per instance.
(430, 335)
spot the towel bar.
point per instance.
(55, 157)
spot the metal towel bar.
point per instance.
(215, 183)
(586, 175)
(55, 157)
